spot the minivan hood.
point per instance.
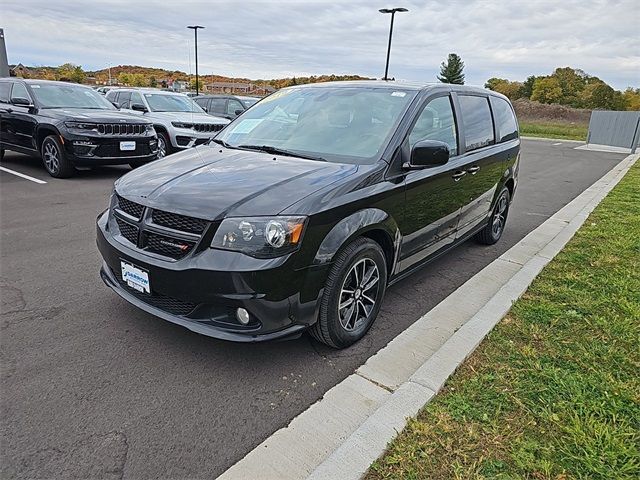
(187, 117)
(211, 182)
(91, 115)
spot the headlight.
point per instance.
(182, 124)
(150, 128)
(81, 126)
(260, 237)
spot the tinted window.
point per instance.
(505, 119)
(202, 102)
(136, 98)
(19, 91)
(123, 99)
(476, 118)
(234, 105)
(436, 122)
(5, 88)
(111, 95)
(161, 102)
(218, 105)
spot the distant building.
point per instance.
(178, 85)
(19, 70)
(238, 88)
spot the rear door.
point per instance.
(218, 106)
(433, 195)
(5, 127)
(483, 161)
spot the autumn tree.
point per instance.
(451, 71)
(71, 73)
(512, 90)
(546, 90)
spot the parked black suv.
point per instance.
(70, 125)
(302, 211)
(226, 106)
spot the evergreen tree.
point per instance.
(451, 70)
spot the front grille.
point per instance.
(131, 208)
(178, 222)
(122, 128)
(128, 231)
(167, 246)
(207, 127)
(164, 233)
(113, 150)
(163, 302)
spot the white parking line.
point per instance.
(27, 177)
(559, 143)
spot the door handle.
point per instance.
(458, 175)
(473, 170)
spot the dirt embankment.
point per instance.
(529, 111)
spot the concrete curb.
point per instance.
(350, 427)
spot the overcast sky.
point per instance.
(269, 39)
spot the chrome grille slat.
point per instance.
(121, 129)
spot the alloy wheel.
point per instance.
(358, 294)
(499, 217)
(162, 147)
(51, 157)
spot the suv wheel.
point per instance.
(54, 158)
(493, 231)
(164, 145)
(353, 294)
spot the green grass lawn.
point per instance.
(566, 131)
(554, 390)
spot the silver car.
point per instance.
(178, 120)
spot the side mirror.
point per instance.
(239, 112)
(428, 153)
(23, 102)
(138, 107)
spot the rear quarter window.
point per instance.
(505, 119)
(477, 121)
(5, 88)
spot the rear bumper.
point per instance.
(202, 291)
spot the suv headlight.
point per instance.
(81, 126)
(182, 124)
(150, 128)
(260, 237)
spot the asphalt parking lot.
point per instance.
(93, 387)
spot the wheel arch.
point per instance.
(372, 223)
(43, 132)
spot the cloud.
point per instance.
(266, 39)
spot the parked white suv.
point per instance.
(178, 120)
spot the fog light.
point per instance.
(242, 315)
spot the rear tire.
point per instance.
(55, 159)
(497, 221)
(353, 294)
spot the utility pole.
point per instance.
(392, 11)
(195, 31)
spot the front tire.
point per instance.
(497, 221)
(164, 145)
(353, 294)
(54, 158)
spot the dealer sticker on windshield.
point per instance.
(135, 277)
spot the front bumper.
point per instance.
(202, 291)
(187, 137)
(86, 150)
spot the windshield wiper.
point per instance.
(223, 143)
(280, 151)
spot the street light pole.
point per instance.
(392, 11)
(195, 31)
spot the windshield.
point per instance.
(340, 124)
(52, 95)
(160, 102)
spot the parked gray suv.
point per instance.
(179, 122)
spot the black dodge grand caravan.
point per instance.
(301, 212)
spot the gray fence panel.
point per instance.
(618, 129)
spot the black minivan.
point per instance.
(302, 211)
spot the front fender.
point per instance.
(355, 225)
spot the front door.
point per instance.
(432, 201)
(22, 119)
